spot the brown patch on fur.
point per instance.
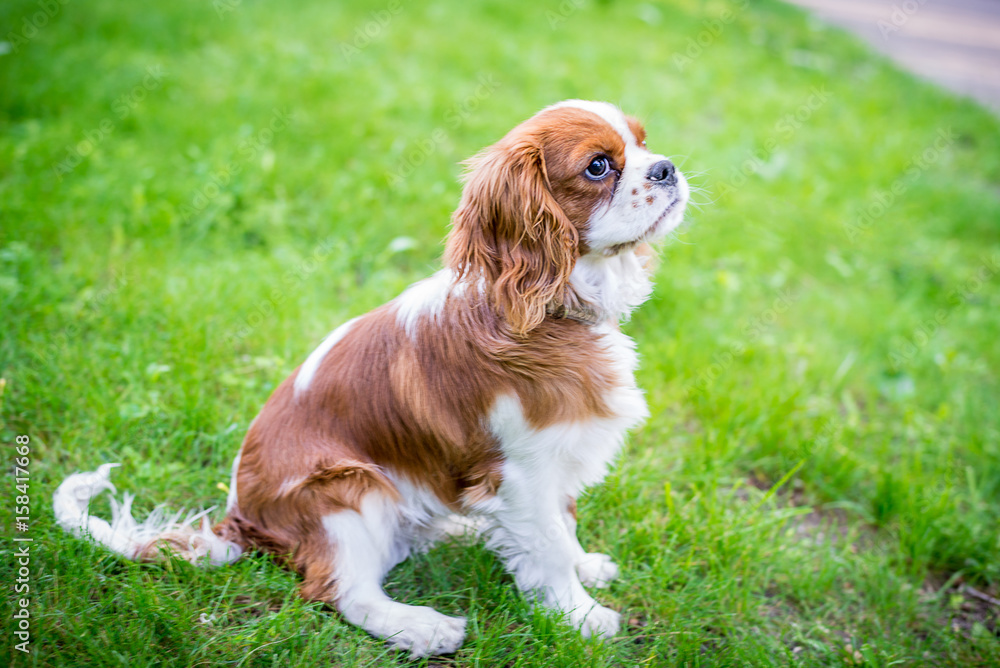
(238, 529)
(650, 199)
(571, 507)
(635, 191)
(303, 547)
(525, 205)
(637, 130)
(482, 484)
(316, 563)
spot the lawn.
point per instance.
(192, 194)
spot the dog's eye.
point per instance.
(598, 168)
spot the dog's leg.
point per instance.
(364, 547)
(531, 534)
(595, 569)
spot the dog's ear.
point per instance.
(510, 230)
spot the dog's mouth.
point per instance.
(650, 233)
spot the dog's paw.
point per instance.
(598, 621)
(428, 633)
(596, 570)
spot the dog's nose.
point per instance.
(663, 172)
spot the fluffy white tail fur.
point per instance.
(141, 542)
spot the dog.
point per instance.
(489, 395)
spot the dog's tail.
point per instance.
(148, 541)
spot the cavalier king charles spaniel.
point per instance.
(489, 395)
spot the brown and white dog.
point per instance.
(496, 390)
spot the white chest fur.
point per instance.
(529, 522)
(568, 456)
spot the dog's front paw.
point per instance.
(427, 633)
(596, 570)
(598, 621)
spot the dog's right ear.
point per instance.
(509, 230)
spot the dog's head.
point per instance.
(574, 180)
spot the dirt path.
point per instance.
(955, 43)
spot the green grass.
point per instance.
(241, 198)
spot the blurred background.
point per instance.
(192, 194)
